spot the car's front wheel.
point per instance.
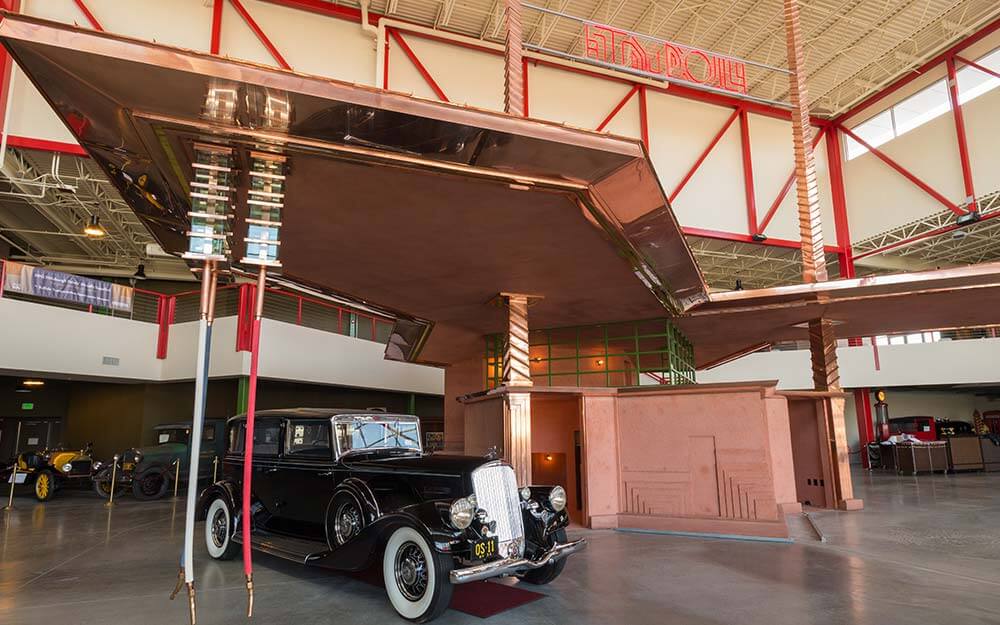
(150, 484)
(219, 531)
(550, 571)
(417, 578)
(45, 485)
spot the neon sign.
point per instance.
(621, 48)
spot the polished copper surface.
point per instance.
(941, 299)
(420, 207)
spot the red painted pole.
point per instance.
(963, 144)
(385, 62)
(866, 428)
(701, 158)
(748, 191)
(90, 16)
(216, 27)
(245, 520)
(788, 187)
(981, 68)
(524, 82)
(643, 116)
(263, 38)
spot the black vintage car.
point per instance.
(348, 489)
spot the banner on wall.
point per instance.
(66, 287)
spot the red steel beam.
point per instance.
(44, 145)
(417, 64)
(524, 84)
(746, 238)
(216, 27)
(835, 162)
(786, 188)
(643, 117)
(963, 144)
(621, 104)
(905, 173)
(708, 150)
(918, 72)
(263, 38)
(385, 66)
(748, 190)
(6, 67)
(90, 16)
(866, 428)
(981, 68)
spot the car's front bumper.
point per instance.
(513, 566)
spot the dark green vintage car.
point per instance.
(149, 471)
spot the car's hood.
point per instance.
(440, 464)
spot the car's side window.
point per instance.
(237, 437)
(308, 439)
(267, 438)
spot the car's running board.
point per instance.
(286, 547)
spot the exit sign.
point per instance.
(27, 406)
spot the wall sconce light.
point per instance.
(548, 457)
(600, 362)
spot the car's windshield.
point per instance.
(366, 433)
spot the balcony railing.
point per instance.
(235, 300)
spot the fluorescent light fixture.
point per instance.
(33, 383)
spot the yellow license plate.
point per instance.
(128, 466)
(486, 548)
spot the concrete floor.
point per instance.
(926, 550)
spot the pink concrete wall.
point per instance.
(782, 464)
(697, 460)
(460, 378)
(600, 461)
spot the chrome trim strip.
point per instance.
(512, 566)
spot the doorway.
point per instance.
(556, 448)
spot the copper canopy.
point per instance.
(424, 208)
(911, 302)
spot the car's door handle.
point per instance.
(326, 474)
(271, 470)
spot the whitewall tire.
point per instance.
(219, 530)
(416, 577)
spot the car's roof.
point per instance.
(182, 424)
(315, 413)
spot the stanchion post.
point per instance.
(177, 476)
(114, 481)
(215, 469)
(13, 475)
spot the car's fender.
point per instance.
(228, 490)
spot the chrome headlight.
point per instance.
(137, 457)
(66, 468)
(557, 498)
(97, 465)
(462, 512)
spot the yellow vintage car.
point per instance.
(50, 470)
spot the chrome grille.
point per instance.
(496, 493)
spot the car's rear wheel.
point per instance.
(150, 484)
(45, 485)
(219, 531)
(550, 571)
(417, 578)
(102, 484)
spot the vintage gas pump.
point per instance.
(881, 417)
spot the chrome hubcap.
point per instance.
(347, 522)
(219, 528)
(411, 571)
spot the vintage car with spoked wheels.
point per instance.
(50, 470)
(150, 470)
(351, 489)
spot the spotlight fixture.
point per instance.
(140, 272)
(548, 457)
(968, 218)
(94, 229)
(759, 237)
(33, 383)
(600, 362)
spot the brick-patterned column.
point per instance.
(810, 217)
(513, 52)
(517, 375)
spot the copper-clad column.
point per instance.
(810, 218)
(517, 375)
(513, 83)
(826, 377)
